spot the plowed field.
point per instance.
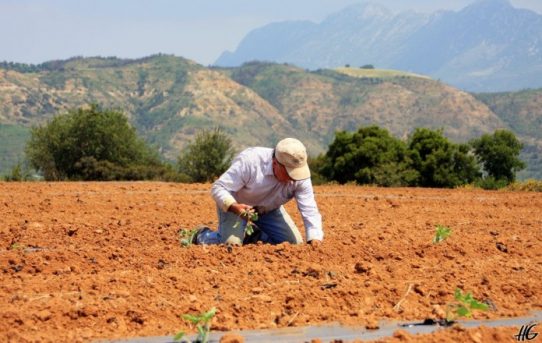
(84, 261)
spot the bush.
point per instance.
(490, 183)
(315, 166)
(526, 186)
(19, 172)
(207, 157)
(369, 156)
(440, 162)
(91, 144)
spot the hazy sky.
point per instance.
(35, 31)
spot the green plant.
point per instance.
(91, 143)
(202, 322)
(530, 185)
(440, 162)
(499, 155)
(19, 172)
(441, 233)
(463, 306)
(187, 236)
(17, 246)
(250, 216)
(207, 157)
(369, 156)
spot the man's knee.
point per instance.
(296, 239)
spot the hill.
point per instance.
(488, 46)
(169, 98)
(166, 98)
(378, 73)
(522, 113)
(319, 103)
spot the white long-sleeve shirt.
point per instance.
(250, 180)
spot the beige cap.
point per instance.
(291, 153)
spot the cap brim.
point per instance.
(298, 174)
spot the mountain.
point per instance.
(168, 99)
(488, 46)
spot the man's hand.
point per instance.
(239, 209)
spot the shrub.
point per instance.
(207, 157)
(440, 162)
(19, 172)
(527, 186)
(490, 183)
(91, 144)
(369, 156)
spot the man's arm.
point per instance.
(231, 181)
(306, 204)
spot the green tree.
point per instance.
(91, 144)
(207, 157)
(441, 163)
(499, 155)
(369, 156)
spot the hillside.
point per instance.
(166, 98)
(169, 98)
(487, 46)
(319, 103)
(378, 73)
(522, 113)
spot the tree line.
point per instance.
(371, 155)
(92, 143)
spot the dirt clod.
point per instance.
(232, 338)
(362, 268)
(502, 247)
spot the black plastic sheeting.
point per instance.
(337, 332)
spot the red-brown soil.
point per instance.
(84, 261)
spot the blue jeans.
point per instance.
(277, 226)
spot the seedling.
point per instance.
(203, 325)
(441, 233)
(463, 306)
(17, 246)
(250, 215)
(186, 236)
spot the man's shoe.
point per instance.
(255, 237)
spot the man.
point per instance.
(263, 180)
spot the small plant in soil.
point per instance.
(250, 216)
(463, 306)
(186, 236)
(17, 246)
(441, 233)
(203, 325)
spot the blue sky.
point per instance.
(35, 31)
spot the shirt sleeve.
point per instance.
(306, 205)
(230, 182)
